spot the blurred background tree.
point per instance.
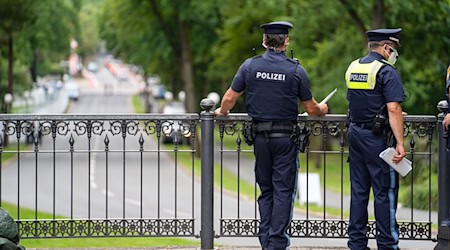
(34, 37)
(175, 39)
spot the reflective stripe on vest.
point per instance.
(362, 75)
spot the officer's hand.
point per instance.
(218, 112)
(400, 153)
(323, 108)
(446, 121)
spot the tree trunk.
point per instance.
(186, 66)
(10, 63)
(378, 14)
(33, 66)
(355, 17)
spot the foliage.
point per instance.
(222, 37)
(42, 31)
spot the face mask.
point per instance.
(393, 56)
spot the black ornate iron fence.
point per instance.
(99, 175)
(113, 175)
(324, 169)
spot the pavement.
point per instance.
(218, 248)
(189, 248)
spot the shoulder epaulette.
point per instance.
(291, 60)
(388, 63)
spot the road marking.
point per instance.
(93, 164)
(133, 202)
(110, 194)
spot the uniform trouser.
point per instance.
(367, 170)
(276, 174)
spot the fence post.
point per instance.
(207, 178)
(443, 182)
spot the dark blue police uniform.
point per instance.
(367, 169)
(273, 83)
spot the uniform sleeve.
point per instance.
(241, 77)
(302, 79)
(392, 85)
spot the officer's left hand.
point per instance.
(400, 153)
(446, 121)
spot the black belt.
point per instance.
(274, 127)
(363, 125)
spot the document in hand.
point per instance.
(403, 167)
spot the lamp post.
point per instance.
(215, 98)
(8, 98)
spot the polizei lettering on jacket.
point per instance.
(358, 77)
(270, 76)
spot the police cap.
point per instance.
(281, 27)
(384, 34)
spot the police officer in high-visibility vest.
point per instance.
(374, 94)
(446, 121)
(273, 84)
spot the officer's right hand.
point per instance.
(400, 153)
(219, 112)
(323, 108)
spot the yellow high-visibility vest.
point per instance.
(362, 75)
(448, 73)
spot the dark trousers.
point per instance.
(276, 170)
(368, 170)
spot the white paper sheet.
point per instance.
(403, 167)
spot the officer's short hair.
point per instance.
(274, 40)
(374, 44)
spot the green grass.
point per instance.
(26, 213)
(137, 104)
(108, 242)
(12, 147)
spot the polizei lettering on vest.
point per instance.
(270, 76)
(358, 77)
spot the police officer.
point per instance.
(374, 91)
(273, 83)
(446, 121)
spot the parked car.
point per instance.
(176, 129)
(73, 90)
(158, 91)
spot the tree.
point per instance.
(162, 35)
(16, 14)
(206, 42)
(48, 37)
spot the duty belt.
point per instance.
(363, 125)
(274, 129)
